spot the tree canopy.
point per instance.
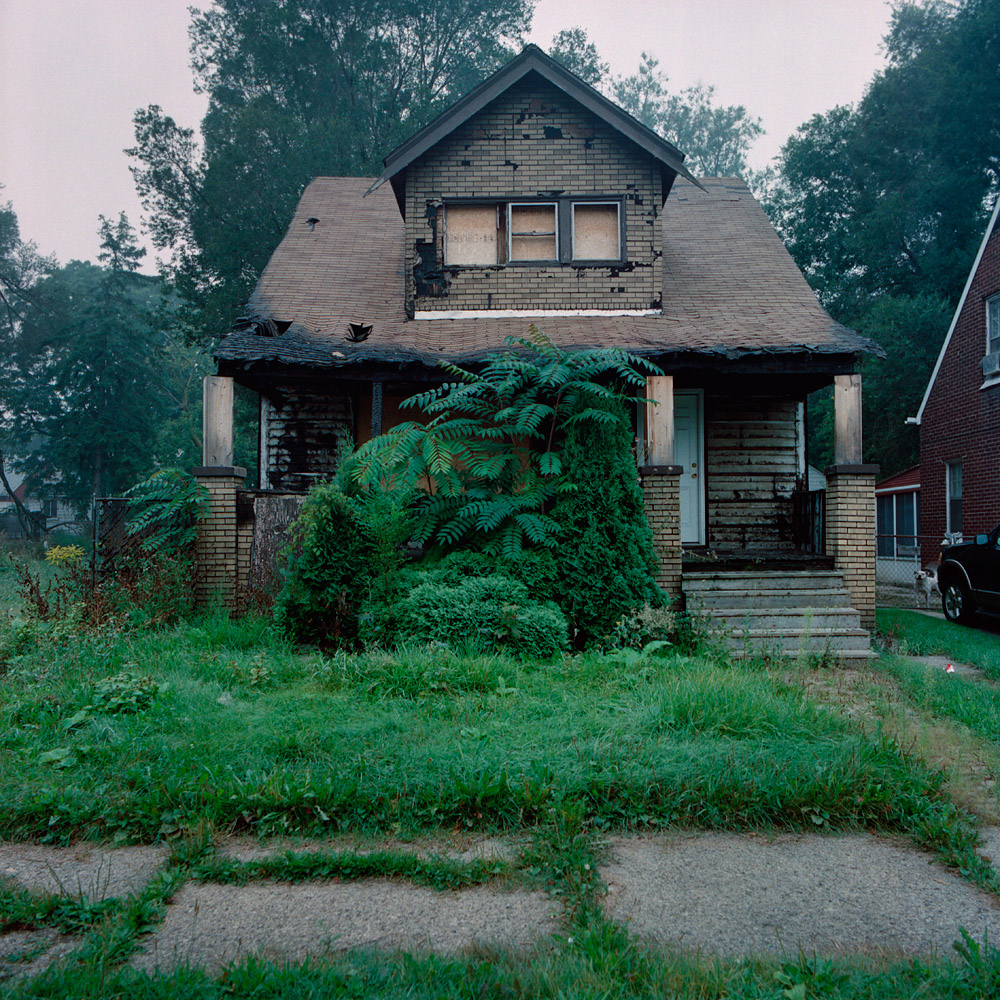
(92, 391)
(890, 198)
(297, 88)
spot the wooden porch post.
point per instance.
(847, 419)
(217, 421)
(659, 423)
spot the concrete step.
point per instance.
(700, 581)
(815, 619)
(709, 600)
(793, 641)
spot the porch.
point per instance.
(776, 564)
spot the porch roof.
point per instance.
(731, 290)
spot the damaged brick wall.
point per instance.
(534, 141)
(752, 449)
(303, 435)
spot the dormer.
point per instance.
(533, 195)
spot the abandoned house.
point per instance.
(534, 199)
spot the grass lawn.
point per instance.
(215, 726)
(910, 631)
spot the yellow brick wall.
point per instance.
(662, 501)
(850, 537)
(218, 558)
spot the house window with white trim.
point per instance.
(897, 520)
(993, 325)
(953, 495)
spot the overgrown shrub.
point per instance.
(485, 612)
(536, 569)
(607, 564)
(329, 572)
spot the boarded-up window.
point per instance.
(596, 232)
(471, 235)
(533, 233)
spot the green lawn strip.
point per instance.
(22, 909)
(922, 635)
(434, 872)
(598, 962)
(323, 745)
(950, 696)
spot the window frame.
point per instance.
(992, 309)
(537, 203)
(573, 203)
(564, 231)
(949, 499)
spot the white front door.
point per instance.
(689, 452)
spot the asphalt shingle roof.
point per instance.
(730, 290)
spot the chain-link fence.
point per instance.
(906, 571)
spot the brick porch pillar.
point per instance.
(850, 532)
(661, 494)
(216, 550)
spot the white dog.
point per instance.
(926, 583)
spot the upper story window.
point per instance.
(534, 231)
(567, 231)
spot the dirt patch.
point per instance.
(454, 848)
(87, 869)
(736, 895)
(943, 662)
(211, 925)
(26, 953)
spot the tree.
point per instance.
(88, 381)
(296, 88)
(488, 460)
(888, 200)
(715, 140)
(607, 564)
(572, 48)
(21, 267)
(891, 196)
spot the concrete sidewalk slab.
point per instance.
(92, 870)
(738, 894)
(210, 925)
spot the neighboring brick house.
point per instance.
(959, 416)
(535, 199)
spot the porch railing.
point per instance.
(809, 521)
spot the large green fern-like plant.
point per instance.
(487, 460)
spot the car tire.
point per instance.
(956, 602)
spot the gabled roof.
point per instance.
(531, 60)
(730, 290)
(958, 312)
(905, 481)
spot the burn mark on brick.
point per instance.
(466, 163)
(511, 164)
(553, 132)
(536, 108)
(657, 303)
(428, 276)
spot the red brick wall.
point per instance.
(961, 422)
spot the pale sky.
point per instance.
(73, 72)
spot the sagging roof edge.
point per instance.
(958, 312)
(533, 59)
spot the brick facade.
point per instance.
(662, 501)
(850, 533)
(217, 549)
(961, 420)
(535, 141)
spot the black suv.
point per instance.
(969, 577)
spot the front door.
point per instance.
(689, 453)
